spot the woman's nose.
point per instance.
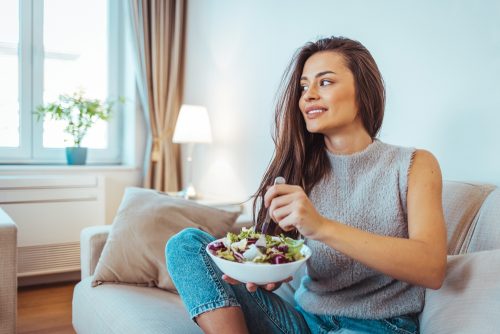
(311, 93)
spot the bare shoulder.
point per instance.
(424, 168)
(425, 158)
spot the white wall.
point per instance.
(440, 61)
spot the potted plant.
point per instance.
(80, 114)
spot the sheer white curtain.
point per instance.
(158, 33)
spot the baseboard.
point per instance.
(49, 278)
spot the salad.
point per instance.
(251, 246)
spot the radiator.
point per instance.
(50, 211)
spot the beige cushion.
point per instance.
(461, 202)
(469, 300)
(134, 252)
(484, 234)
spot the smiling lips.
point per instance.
(314, 111)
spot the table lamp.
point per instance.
(193, 126)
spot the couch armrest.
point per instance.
(8, 274)
(92, 240)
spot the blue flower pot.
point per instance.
(76, 155)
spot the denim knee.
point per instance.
(188, 240)
(180, 238)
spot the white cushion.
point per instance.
(118, 309)
(469, 300)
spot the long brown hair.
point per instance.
(299, 155)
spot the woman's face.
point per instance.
(328, 102)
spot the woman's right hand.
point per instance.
(252, 287)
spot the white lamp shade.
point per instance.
(193, 125)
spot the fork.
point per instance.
(268, 220)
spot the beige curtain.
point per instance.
(158, 33)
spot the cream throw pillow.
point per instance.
(134, 252)
(469, 300)
(461, 202)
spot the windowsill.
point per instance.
(65, 168)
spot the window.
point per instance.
(53, 47)
(9, 109)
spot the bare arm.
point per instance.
(420, 259)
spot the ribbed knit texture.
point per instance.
(366, 190)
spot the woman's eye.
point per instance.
(325, 82)
(303, 88)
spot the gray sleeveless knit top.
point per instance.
(366, 190)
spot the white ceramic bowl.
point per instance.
(259, 273)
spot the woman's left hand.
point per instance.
(290, 207)
(252, 287)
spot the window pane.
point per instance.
(75, 43)
(9, 105)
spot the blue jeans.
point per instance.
(201, 288)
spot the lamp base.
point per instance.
(189, 192)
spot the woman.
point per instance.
(371, 212)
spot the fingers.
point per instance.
(278, 190)
(276, 285)
(288, 223)
(230, 280)
(279, 212)
(280, 206)
(283, 205)
(252, 287)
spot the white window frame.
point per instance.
(31, 66)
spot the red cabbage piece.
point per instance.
(279, 258)
(215, 246)
(283, 248)
(251, 241)
(238, 256)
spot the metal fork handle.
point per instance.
(268, 220)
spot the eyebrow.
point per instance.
(319, 74)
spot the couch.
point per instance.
(472, 214)
(8, 274)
